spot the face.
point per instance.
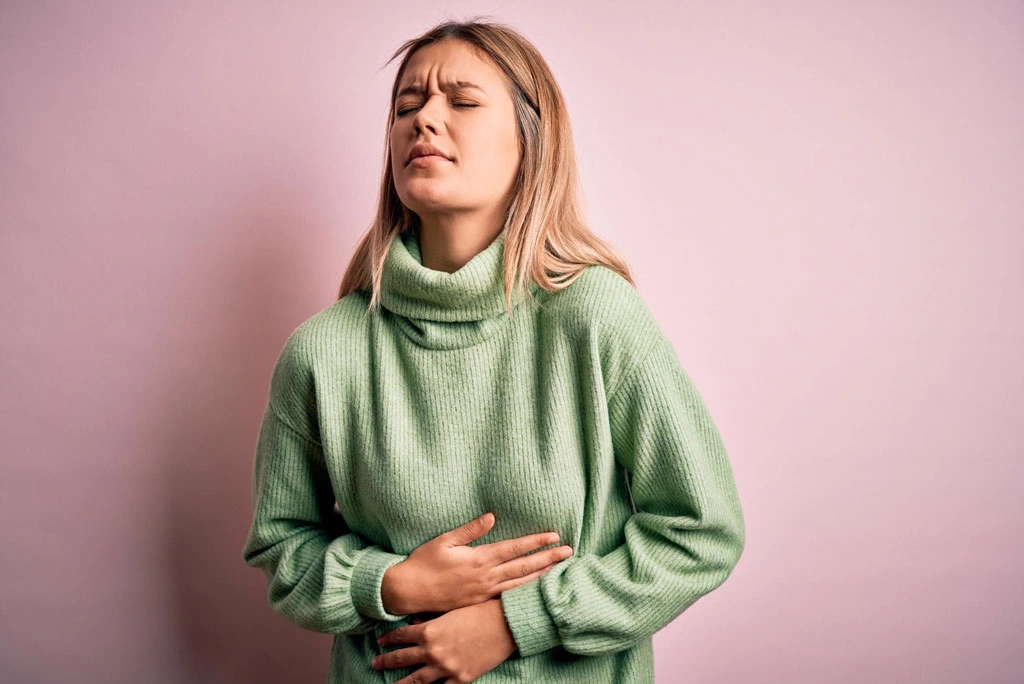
(475, 127)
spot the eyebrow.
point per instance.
(451, 85)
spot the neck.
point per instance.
(448, 241)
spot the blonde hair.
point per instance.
(546, 237)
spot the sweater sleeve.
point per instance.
(320, 576)
(683, 540)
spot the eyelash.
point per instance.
(403, 112)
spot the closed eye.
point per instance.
(403, 112)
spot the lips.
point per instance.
(426, 160)
(425, 150)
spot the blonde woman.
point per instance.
(484, 462)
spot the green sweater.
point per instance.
(574, 415)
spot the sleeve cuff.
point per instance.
(367, 576)
(528, 619)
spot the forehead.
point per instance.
(453, 64)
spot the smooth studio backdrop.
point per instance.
(821, 204)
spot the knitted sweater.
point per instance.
(574, 415)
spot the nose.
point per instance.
(424, 117)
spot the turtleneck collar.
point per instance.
(443, 310)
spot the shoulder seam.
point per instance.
(291, 427)
(632, 369)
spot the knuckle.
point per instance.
(451, 665)
(439, 659)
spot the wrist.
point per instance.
(499, 613)
(393, 590)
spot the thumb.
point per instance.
(474, 529)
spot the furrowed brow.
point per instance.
(452, 85)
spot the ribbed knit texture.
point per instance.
(574, 415)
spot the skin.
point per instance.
(447, 572)
(462, 644)
(469, 636)
(461, 203)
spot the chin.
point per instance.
(429, 195)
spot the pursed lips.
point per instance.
(430, 157)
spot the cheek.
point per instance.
(492, 155)
(397, 133)
(504, 158)
(392, 151)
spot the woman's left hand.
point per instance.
(461, 644)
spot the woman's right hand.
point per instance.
(445, 573)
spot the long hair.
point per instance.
(546, 237)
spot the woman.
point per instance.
(455, 416)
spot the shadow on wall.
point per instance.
(227, 631)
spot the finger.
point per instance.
(402, 657)
(520, 567)
(505, 586)
(430, 673)
(408, 634)
(474, 529)
(513, 548)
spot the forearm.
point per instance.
(683, 540)
(318, 576)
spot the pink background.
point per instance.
(821, 203)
